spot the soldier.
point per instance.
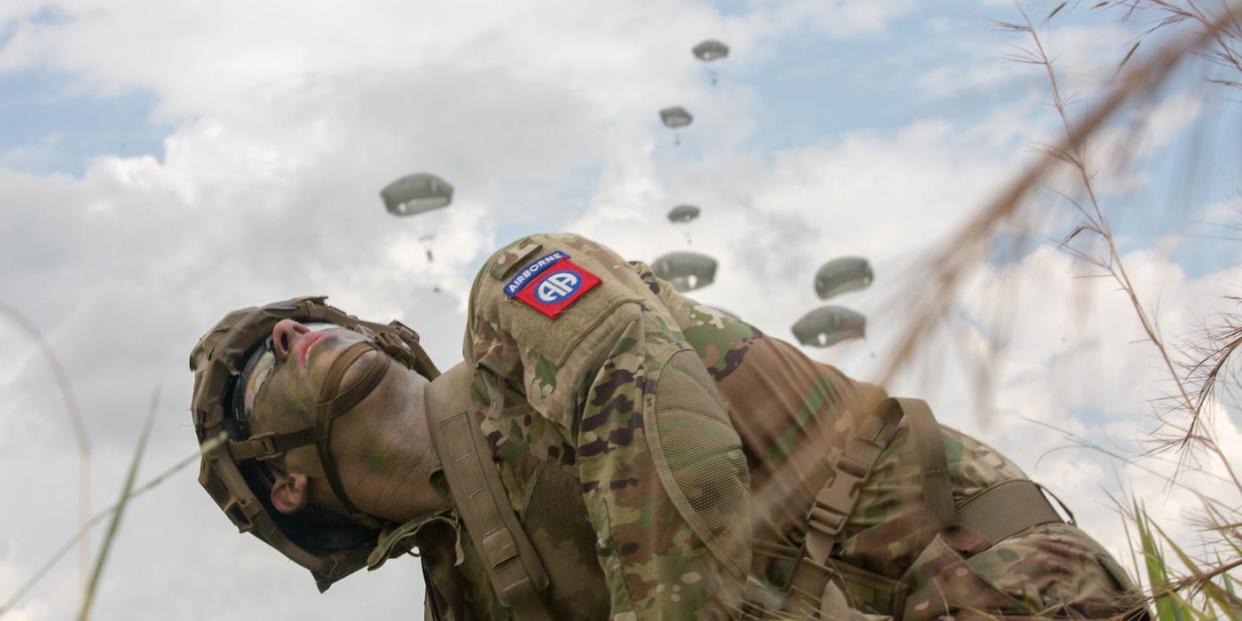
(612, 449)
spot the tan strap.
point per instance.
(837, 498)
(868, 590)
(431, 611)
(333, 404)
(925, 433)
(1006, 509)
(516, 572)
(268, 445)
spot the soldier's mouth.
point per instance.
(304, 345)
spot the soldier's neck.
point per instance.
(398, 461)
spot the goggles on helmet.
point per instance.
(258, 369)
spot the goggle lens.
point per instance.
(258, 370)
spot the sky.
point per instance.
(164, 163)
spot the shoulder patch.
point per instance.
(551, 284)
(513, 256)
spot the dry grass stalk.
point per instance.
(965, 249)
(1197, 594)
(75, 422)
(1096, 223)
(1226, 37)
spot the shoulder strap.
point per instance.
(513, 566)
(929, 442)
(836, 500)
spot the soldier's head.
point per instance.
(318, 415)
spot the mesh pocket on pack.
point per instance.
(700, 459)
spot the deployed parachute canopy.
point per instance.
(686, 271)
(829, 325)
(683, 213)
(675, 117)
(842, 276)
(416, 193)
(710, 50)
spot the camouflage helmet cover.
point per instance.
(230, 474)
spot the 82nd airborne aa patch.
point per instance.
(551, 284)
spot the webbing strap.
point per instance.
(837, 498)
(868, 590)
(515, 570)
(268, 445)
(1000, 511)
(331, 405)
(925, 433)
(1006, 509)
(835, 501)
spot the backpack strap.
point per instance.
(512, 565)
(836, 500)
(998, 512)
(1007, 508)
(929, 443)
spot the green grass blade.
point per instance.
(64, 549)
(115, 523)
(1125, 528)
(1210, 589)
(1168, 607)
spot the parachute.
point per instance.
(842, 276)
(686, 271)
(416, 193)
(675, 117)
(828, 325)
(710, 50)
(683, 213)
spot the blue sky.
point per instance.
(65, 129)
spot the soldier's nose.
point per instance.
(284, 334)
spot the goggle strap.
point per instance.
(268, 445)
(332, 406)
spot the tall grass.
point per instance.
(114, 524)
(105, 514)
(75, 422)
(1181, 587)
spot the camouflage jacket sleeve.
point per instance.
(625, 402)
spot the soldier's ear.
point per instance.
(289, 493)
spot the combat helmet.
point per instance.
(235, 472)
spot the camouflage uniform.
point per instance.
(649, 444)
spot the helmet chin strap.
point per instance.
(333, 405)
